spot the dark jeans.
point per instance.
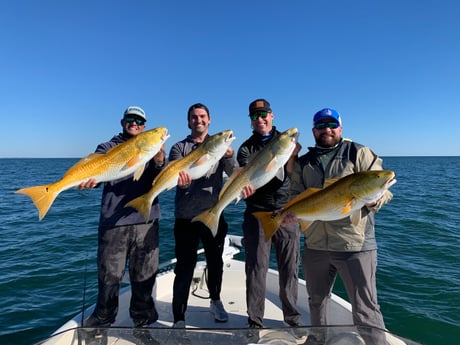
(188, 236)
(138, 245)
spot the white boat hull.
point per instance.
(199, 321)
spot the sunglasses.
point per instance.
(256, 115)
(139, 122)
(322, 125)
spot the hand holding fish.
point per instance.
(184, 180)
(248, 191)
(159, 158)
(89, 184)
(290, 218)
(229, 152)
(291, 161)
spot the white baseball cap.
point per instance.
(135, 110)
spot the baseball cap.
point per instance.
(135, 110)
(259, 105)
(327, 113)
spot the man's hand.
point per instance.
(248, 191)
(89, 184)
(184, 180)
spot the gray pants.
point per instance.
(138, 245)
(357, 270)
(257, 249)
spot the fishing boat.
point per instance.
(201, 328)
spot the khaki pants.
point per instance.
(357, 270)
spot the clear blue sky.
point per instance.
(68, 69)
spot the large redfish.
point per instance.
(118, 162)
(197, 163)
(340, 198)
(263, 167)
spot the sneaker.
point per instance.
(217, 310)
(253, 332)
(179, 324)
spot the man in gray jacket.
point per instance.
(338, 246)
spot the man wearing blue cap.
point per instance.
(338, 246)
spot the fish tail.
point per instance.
(209, 218)
(42, 197)
(269, 221)
(143, 205)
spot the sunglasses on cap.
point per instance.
(139, 122)
(257, 114)
(322, 125)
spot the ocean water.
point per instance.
(48, 268)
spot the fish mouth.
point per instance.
(165, 135)
(230, 136)
(390, 182)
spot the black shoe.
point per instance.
(253, 331)
(94, 336)
(143, 323)
(297, 330)
(313, 340)
(144, 337)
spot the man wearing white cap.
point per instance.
(123, 233)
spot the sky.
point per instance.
(68, 69)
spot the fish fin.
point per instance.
(356, 217)
(42, 197)
(143, 205)
(138, 173)
(348, 207)
(271, 165)
(269, 221)
(280, 174)
(210, 219)
(211, 170)
(330, 181)
(133, 161)
(202, 160)
(306, 193)
(304, 225)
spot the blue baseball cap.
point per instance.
(327, 113)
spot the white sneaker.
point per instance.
(217, 310)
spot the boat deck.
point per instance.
(201, 328)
